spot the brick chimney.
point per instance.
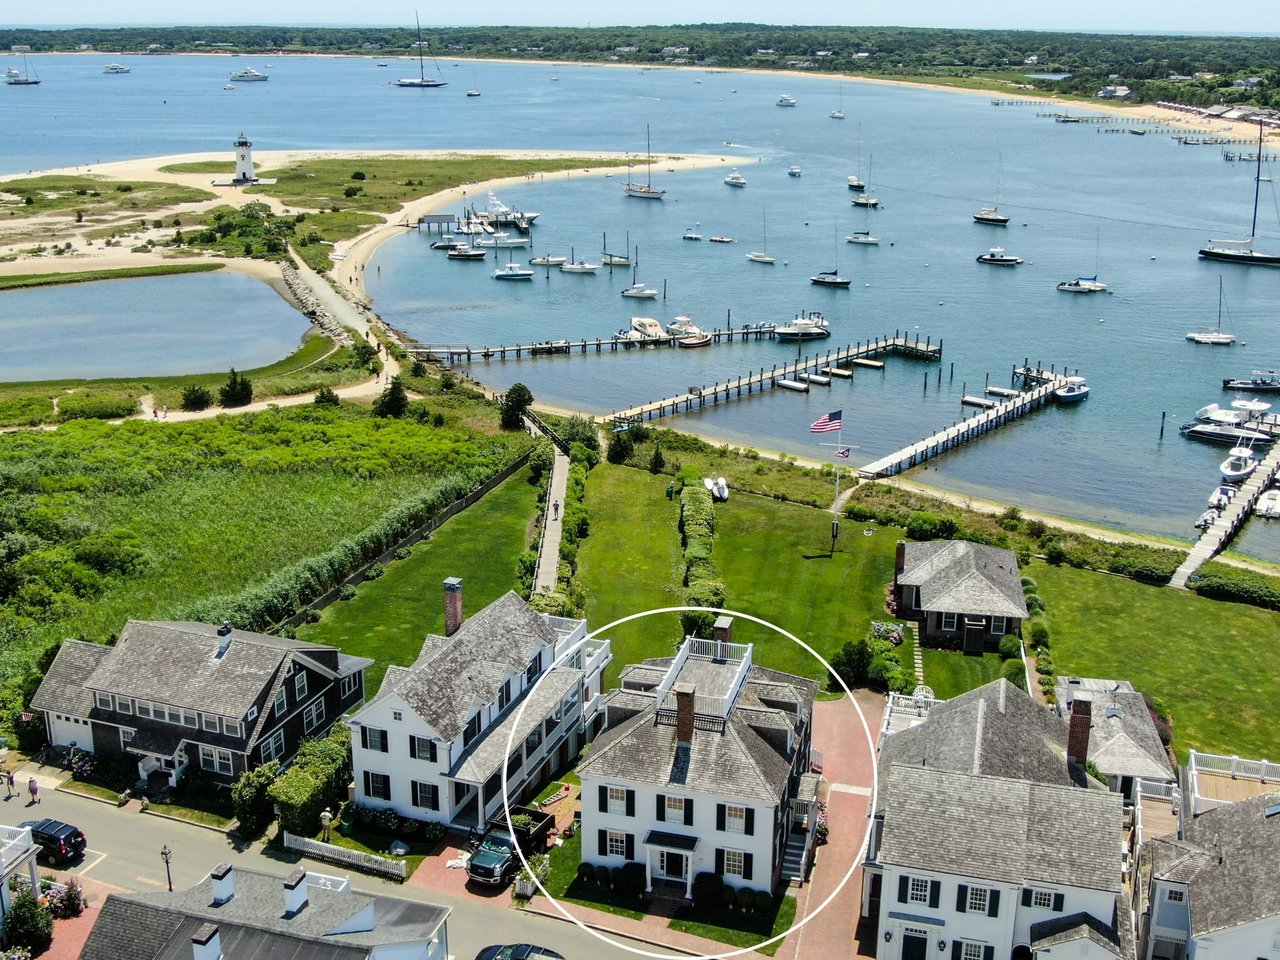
(899, 558)
(453, 616)
(206, 944)
(295, 892)
(1078, 731)
(684, 713)
(224, 883)
(722, 634)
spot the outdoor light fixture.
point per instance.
(166, 855)
(942, 945)
(888, 935)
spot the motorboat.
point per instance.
(735, 179)
(1223, 433)
(464, 251)
(787, 100)
(829, 278)
(856, 183)
(1241, 251)
(862, 236)
(806, 326)
(228, 86)
(447, 242)
(717, 487)
(1073, 391)
(646, 190)
(997, 257)
(692, 343)
(473, 93)
(1258, 381)
(548, 260)
(1239, 465)
(1222, 495)
(1213, 336)
(499, 214)
(1083, 285)
(579, 266)
(683, 326)
(647, 328)
(991, 215)
(720, 239)
(513, 271)
(503, 239)
(1207, 519)
(794, 171)
(866, 200)
(691, 234)
(116, 68)
(1268, 504)
(422, 81)
(755, 256)
(1214, 413)
(249, 75)
(836, 114)
(1252, 408)
(639, 291)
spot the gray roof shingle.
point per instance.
(1122, 736)
(956, 576)
(62, 689)
(1075, 926)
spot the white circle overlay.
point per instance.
(600, 935)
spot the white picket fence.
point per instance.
(332, 853)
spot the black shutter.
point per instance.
(604, 843)
(1057, 902)
(604, 799)
(719, 862)
(431, 750)
(1026, 896)
(662, 809)
(413, 746)
(364, 737)
(368, 782)
(384, 744)
(993, 903)
(957, 950)
(435, 797)
(413, 787)
(903, 884)
(935, 892)
(988, 953)
(962, 898)
(688, 811)
(746, 866)
(630, 846)
(631, 805)
(751, 821)
(720, 819)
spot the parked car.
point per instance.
(494, 858)
(58, 842)
(517, 951)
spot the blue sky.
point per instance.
(1146, 16)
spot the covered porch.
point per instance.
(668, 859)
(161, 756)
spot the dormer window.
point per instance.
(535, 668)
(473, 729)
(103, 700)
(300, 685)
(504, 694)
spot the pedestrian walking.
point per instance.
(555, 510)
(34, 789)
(326, 824)
(164, 411)
(155, 413)
(8, 782)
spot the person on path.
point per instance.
(8, 782)
(555, 510)
(164, 411)
(326, 824)
(155, 413)
(34, 789)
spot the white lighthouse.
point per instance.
(244, 160)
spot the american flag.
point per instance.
(843, 453)
(828, 423)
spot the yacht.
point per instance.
(447, 242)
(829, 278)
(24, 79)
(806, 326)
(719, 239)
(647, 328)
(1223, 433)
(997, 257)
(501, 239)
(1238, 466)
(464, 251)
(1213, 336)
(691, 234)
(856, 183)
(794, 171)
(513, 271)
(735, 179)
(787, 100)
(579, 266)
(228, 86)
(473, 93)
(1073, 391)
(548, 260)
(1259, 381)
(116, 68)
(683, 326)
(422, 81)
(638, 291)
(991, 215)
(646, 190)
(1083, 285)
(862, 236)
(248, 74)
(866, 200)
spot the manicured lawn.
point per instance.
(950, 673)
(217, 813)
(739, 929)
(1209, 661)
(562, 882)
(366, 841)
(390, 616)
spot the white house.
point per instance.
(433, 743)
(986, 842)
(1211, 893)
(704, 768)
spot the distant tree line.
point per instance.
(1144, 63)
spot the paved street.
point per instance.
(124, 851)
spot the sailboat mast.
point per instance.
(1257, 185)
(648, 165)
(1219, 303)
(421, 75)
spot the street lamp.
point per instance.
(166, 855)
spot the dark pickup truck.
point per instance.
(494, 859)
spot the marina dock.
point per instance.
(785, 375)
(1220, 532)
(1042, 384)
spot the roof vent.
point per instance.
(1272, 810)
(224, 640)
(1113, 711)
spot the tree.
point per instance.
(517, 400)
(657, 461)
(394, 401)
(196, 398)
(853, 662)
(28, 924)
(250, 799)
(620, 447)
(325, 397)
(236, 392)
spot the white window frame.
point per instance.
(734, 863)
(232, 728)
(949, 621)
(208, 760)
(424, 793)
(273, 747)
(971, 951)
(675, 809)
(618, 801)
(1175, 896)
(253, 713)
(143, 708)
(385, 776)
(223, 759)
(918, 890)
(616, 843)
(282, 701)
(103, 701)
(300, 684)
(1043, 899)
(735, 818)
(210, 723)
(124, 705)
(126, 736)
(377, 739)
(349, 684)
(397, 715)
(313, 715)
(1003, 627)
(422, 748)
(978, 897)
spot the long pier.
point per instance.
(1220, 532)
(900, 344)
(1043, 383)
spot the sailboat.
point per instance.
(1213, 336)
(1086, 284)
(646, 190)
(421, 81)
(760, 256)
(475, 89)
(1241, 251)
(864, 199)
(14, 79)
(614, 259)
(831, 278)
(838, 112)
(992, 215)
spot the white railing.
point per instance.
(16, 842)
(1235, 767)
(599, 653)
(1152, 790)
(1160, 789)
(331, 853)
(714, 650)
(594, 706)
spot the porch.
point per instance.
(668, 863)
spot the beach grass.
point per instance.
(38, 196)
(23, 280)
(950, 673)
(201, 166)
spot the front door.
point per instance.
(915, 946)
(671, 864)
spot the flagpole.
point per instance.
(835, 506)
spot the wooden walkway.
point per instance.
(455, 352)
(912, 347)
(1220, 532)
(997, 416)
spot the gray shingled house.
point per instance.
(172, 694)
(964, 594)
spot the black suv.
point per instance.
(59, 842)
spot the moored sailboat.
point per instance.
(1241, 251)
(646, 190)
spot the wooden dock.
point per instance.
(1219, 533)
(900, 344)
(1042, 383)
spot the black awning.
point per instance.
(670, 841)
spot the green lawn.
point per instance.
(737, 929)
(390, 616)
(950, 673)
(1209, 661)
(366, 841)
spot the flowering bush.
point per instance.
(68, 903)
(822, 830)
(15, 953)
(387, 820)
(83, 767)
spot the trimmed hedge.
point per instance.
(701, 576)
(250, 796)
(1221, 582)
(317, 779)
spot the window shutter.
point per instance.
(962, 898)
(993, 903)
(631, 805)
(364, 737)
(367, 782)
(413, 746)
(1058, 902)
(957, 950)
(1026, 896)
(746, 866)
(385, 743)
(935, 892)
(688, 811)
(631, 846)
(433, 797)
(662, 809)
(604, 799)
(720, 862)
(988, 953)
(413, 789)
(903, 884)
(431, 750)
(751, 822)
(719, 819)
(604, 843)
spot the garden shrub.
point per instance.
(317, 777)
(346, 592)
(1028, 585)
(541, 460)
(922, 525)
(764, 901)
(728, 897)
(706, 890)
(1035, 604)
(1039, 633)
(250, 799)
(1220, 582)
(236, 392)
(615, 878)
(1010, 647)
(621, 447)
(632, 882)
(586, 873)
(746, 899)
(67, 903)
(852, 662)
(1015, 673)
(403, 553)
(602, 875)
(28, 924)
(374, 571)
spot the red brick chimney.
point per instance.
(1078, 731)
(684, 712)
(453, 615)
(899, 558)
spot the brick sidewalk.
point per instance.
(69, 936)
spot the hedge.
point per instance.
(701, 576)
(1221, 582)
(317, 779)
(251, 798)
